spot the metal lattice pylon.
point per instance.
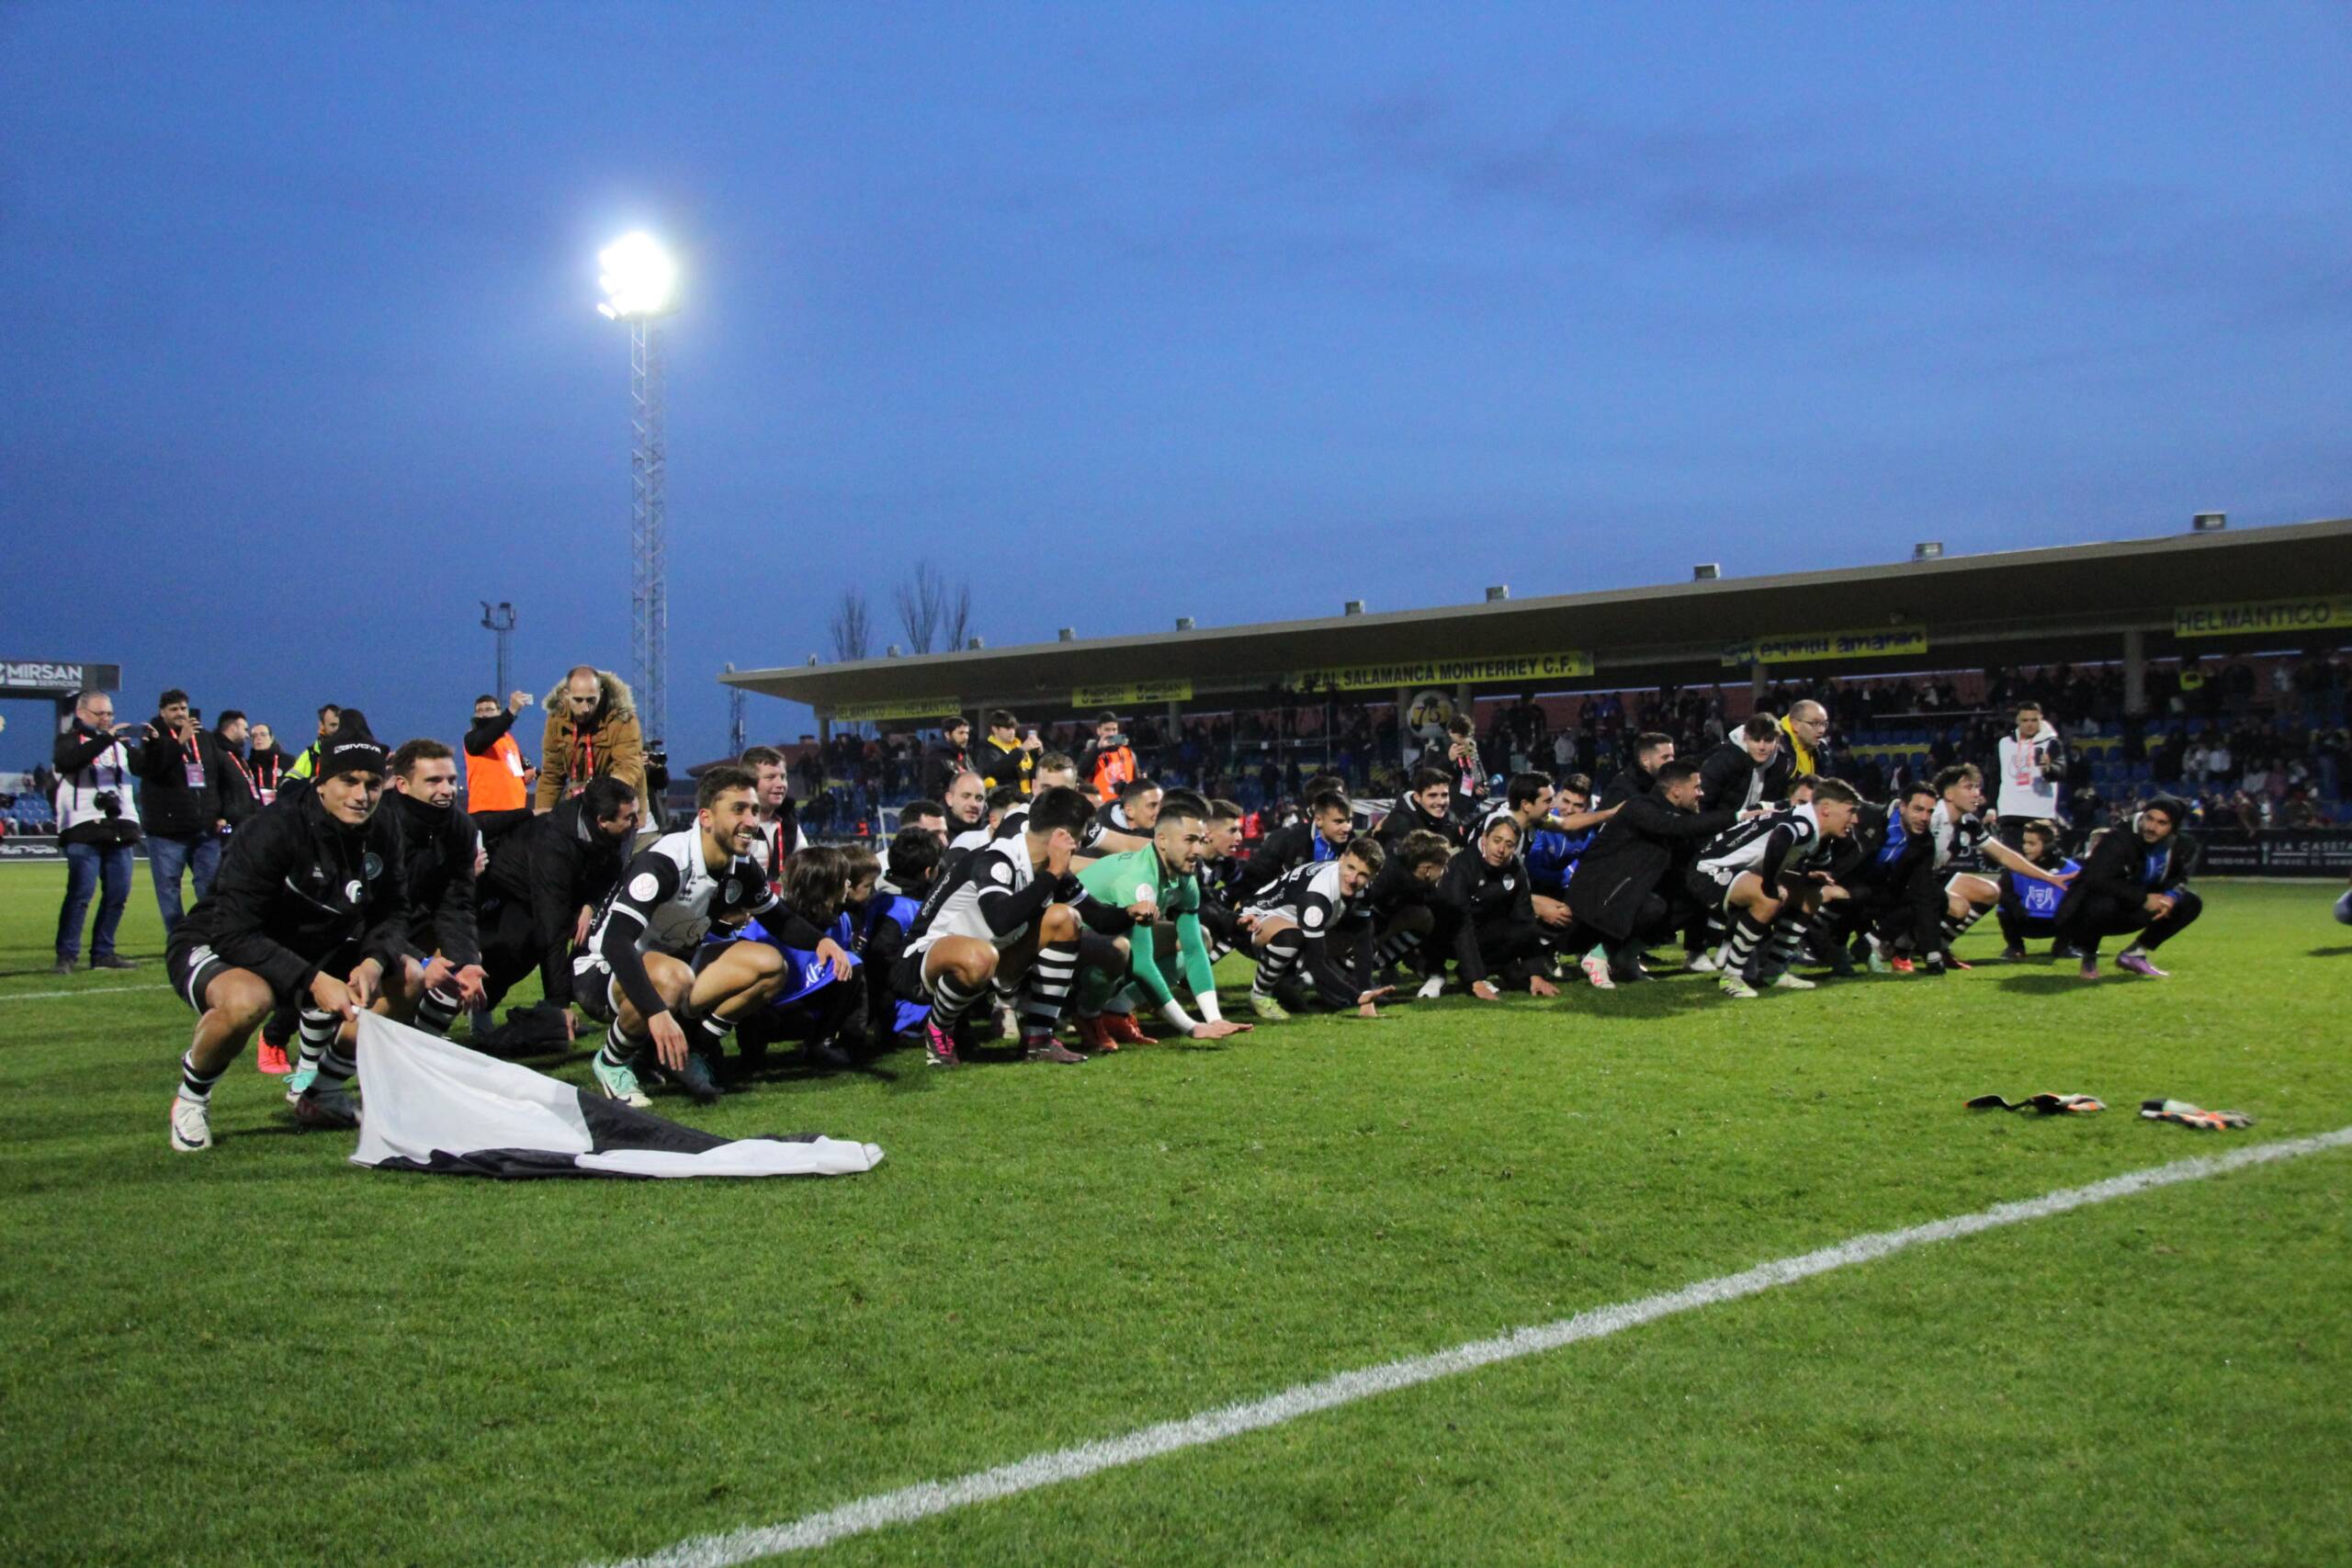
(648, 587)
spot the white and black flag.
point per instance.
(435, 1106)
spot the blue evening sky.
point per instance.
(1126, 311)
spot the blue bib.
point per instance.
(2039, 899)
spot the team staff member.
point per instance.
(948, 757)
(95, 827)
(2135, 884)
(1490, 914)
(497, 778)
(1614, 895)
(440, 850)
(592, 732)
(1009, 760)
(310, 910)
(542, 885)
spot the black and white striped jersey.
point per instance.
(667, 898)
(1310, 895)
(1777, 844)
(1958, 840)
(993, 897)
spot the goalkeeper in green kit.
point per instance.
(1152, 897)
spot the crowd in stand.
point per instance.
(2247, 743)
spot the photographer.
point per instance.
(179, 803)
(1108, 761)
(240, 795)
(95, 827)
(2033, 764)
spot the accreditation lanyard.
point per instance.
(192, 761)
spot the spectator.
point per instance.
(591, 733)
(179, 803)
(947, 757)
(497, 778)
(95, 827)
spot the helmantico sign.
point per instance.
(2321, 615)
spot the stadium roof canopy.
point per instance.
(2212, 592)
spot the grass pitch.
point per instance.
(264, 1355)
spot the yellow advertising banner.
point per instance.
(898, 707)
(2291, 615)
(1133, 693)
(1803, 648)
(1565, 664)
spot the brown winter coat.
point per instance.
(616, 745)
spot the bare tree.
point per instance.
(933, 614)
(852, 626)
(959, 614)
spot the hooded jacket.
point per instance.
(610, 742)
(2125, 869)
(2030, 774)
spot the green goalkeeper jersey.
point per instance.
(1137, 876)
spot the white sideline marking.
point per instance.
(926, 1498)
(89, 991)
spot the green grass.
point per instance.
(264, 1354)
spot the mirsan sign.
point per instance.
(44, 676)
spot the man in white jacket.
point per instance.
(2033, 763)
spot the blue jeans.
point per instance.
(87, 866)
(166, 858)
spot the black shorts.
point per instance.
(190, 964)
(906, 979)
(596, 991)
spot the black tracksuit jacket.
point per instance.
(295, 885)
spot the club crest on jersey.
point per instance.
(1000, 871)
(371, 866)
(1312, 917)
(353, 889)
(1510, 883)
(643, 887)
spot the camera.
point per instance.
(108, 802)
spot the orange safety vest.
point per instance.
(495, 782)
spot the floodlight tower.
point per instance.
(640, 283)
(500, 624)
(735, 724)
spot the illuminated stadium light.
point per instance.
(640, 279)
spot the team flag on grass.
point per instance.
(435, 1106)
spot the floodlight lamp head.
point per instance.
(640, 278)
